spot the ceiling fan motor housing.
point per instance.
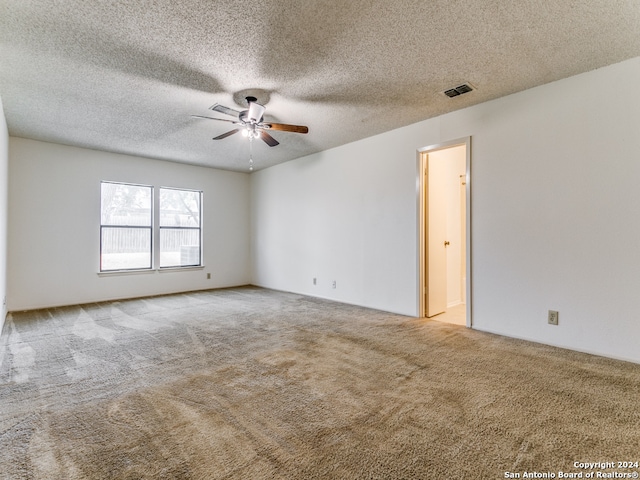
(244, 117)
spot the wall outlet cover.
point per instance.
(553, 317)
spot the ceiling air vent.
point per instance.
(459, 90)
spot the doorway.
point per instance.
(444, 236)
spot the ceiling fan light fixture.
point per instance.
(250, 132)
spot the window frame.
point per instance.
(150, 227)
(154, 232)
(161, 227)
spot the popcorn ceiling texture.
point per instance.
(247, 383)
(126, 76)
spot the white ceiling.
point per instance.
(125, 76)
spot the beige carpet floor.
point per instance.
(248, 383)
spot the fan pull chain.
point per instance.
(251, 154)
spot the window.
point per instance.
(125, 226)
(128, 238)
(180, 228)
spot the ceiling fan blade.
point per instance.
(283, 127)
(226, 110)
(256, 111)
(218, 119)
(268, 139)
(228, 134)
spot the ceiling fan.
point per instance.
(251, 122)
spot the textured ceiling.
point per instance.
(125, 76)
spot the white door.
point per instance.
(436, 222)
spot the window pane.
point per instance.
(124, 204)
(125, 248)
(179, 208)
(179, 247)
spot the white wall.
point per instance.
(54, 220)
(555, 209)
(341, 215)
(4, 185)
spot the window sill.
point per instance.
(179, 269)
(150, 271)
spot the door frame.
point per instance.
(422, 223)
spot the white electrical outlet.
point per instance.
(333, 284)
(553, 317)
(315, 281)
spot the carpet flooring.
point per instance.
(247, 383)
